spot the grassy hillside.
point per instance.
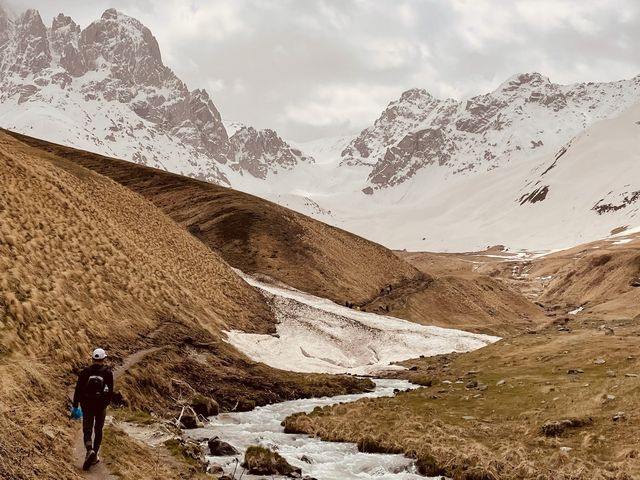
(255, 235)
(602, 276)
(86, 262)
(262, 238)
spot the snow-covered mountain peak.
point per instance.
(523, 80)
(414, 107)
(105, 88)
(253, 146)
(526, 116)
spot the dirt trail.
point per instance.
(100, 471)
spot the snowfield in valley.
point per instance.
(317, 335)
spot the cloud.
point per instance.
(329, 67)
(340, 104)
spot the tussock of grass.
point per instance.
(186, 452)
(556, 428)
(137, 417)
(132, 460)
(370, 444)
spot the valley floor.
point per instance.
(560, 403)
(556, 401)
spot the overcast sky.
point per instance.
(313, 68)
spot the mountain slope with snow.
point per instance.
(525, 117)
(581, 192)
(436, 174)
(106, 89)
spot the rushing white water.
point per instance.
(330, 460)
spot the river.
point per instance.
(330, 460)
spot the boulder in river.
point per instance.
(218, 448)
(262, 461)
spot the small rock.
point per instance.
(575, 371)
(607, 330)
(619, 416)
(190, 421)
(262, 461)
(448, 382)
(413, 369)
(468, 417)
(599, 361)
(565, 449)
(213, 469)
(611, 373)
(482, 387)
(500, 382)
(631, 375)
(471, 384)
(609, 398)
(306, 459)
(472, 372)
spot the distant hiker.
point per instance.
(93, 393)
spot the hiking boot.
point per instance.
(96, 459)
(89, 459)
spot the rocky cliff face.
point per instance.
(526, 116)
(251, 145)
(105, 88)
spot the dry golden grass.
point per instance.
(497, 433)
(255, 235)
(262, 238)
(132, 460)
(85, 262)
(465, 301)
(598, 275)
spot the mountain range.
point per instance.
(105, 88)
(530, 165)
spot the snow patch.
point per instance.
(317, 335)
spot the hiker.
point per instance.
(93, 393)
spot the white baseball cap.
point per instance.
(99, 354)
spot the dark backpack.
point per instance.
(94, 389)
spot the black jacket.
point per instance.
(80, 395)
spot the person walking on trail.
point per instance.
(93, 394)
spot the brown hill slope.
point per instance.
(260, 237)
(85, 262)
(602, 276)
(255, 235)
(462, 298)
